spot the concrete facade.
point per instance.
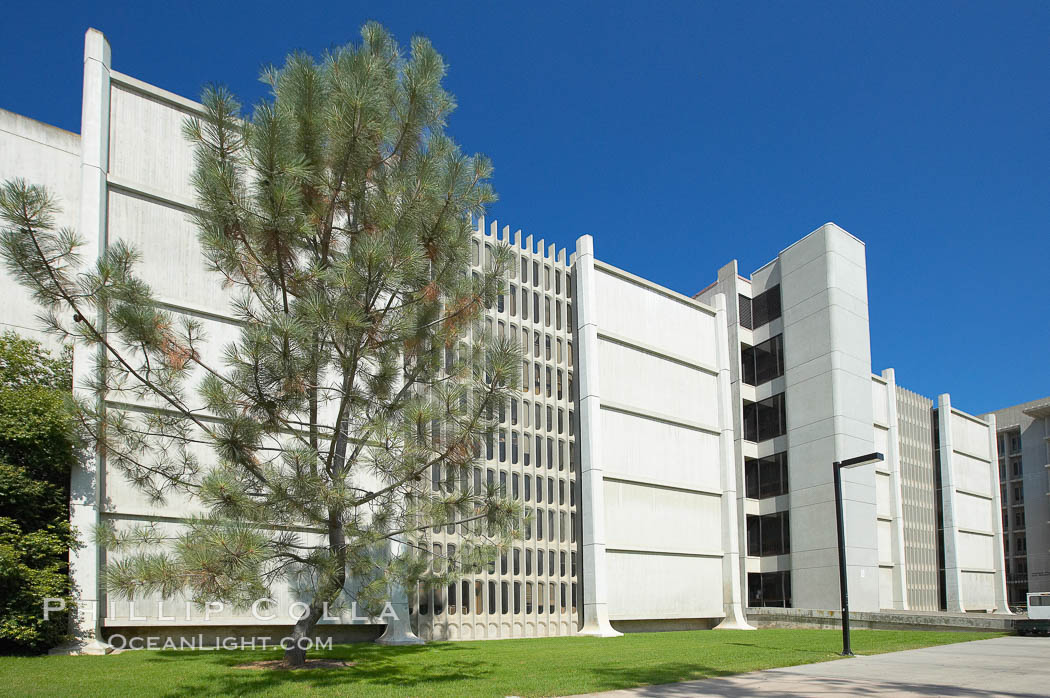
(808, 308)
(684, 475)
(1023, 445)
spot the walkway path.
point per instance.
(1006, 666)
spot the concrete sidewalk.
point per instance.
(1006, 666)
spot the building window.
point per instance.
(768, 535)
(766, 477)
(763, 362)
(765, 419)
(769, 589)
(765, 307)
(744, 312)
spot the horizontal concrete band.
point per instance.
(160, 518)
(930, 620)
(656, 288)
(135, 189)
(660, 353)
(611, 476)
(972, 493)
(659, 417)
(144, 88)
(671, 552)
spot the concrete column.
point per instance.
(399, 631)
(592, 483)
(1002, 604)
(731, 586)
(952, 573)
(88, 476)
(893, 459)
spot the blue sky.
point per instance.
(685, 134)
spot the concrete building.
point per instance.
(675, 452)
(1024, 454)
(921, 533)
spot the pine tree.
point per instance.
(339, 214)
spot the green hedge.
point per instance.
(37, 451)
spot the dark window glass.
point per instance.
(763, 362)
(769, 589)
(766, 477)
(768, 534)
(766, 307)
(744, 306)
(765, 419)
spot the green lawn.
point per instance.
(535, 667)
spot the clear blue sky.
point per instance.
(685, 134)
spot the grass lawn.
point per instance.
(534, 667)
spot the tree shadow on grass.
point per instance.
(374, 668)
(610, 679)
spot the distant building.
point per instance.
(675, 452)
(1024, 459)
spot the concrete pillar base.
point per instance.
(599, 628)
(731, 623)
(80, 647)
(399, 629)
(735, 619)
(398, 638)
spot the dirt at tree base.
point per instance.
(282, 665)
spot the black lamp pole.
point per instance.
(847, 651)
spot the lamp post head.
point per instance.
(861, 460)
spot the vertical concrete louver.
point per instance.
(915, 438)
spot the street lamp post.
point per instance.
(847, 651)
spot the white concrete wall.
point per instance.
(655, 419)
(974, 576)
(46, 156)
(829, 414)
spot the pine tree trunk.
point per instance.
(295, 655)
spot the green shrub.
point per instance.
(37, 451)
